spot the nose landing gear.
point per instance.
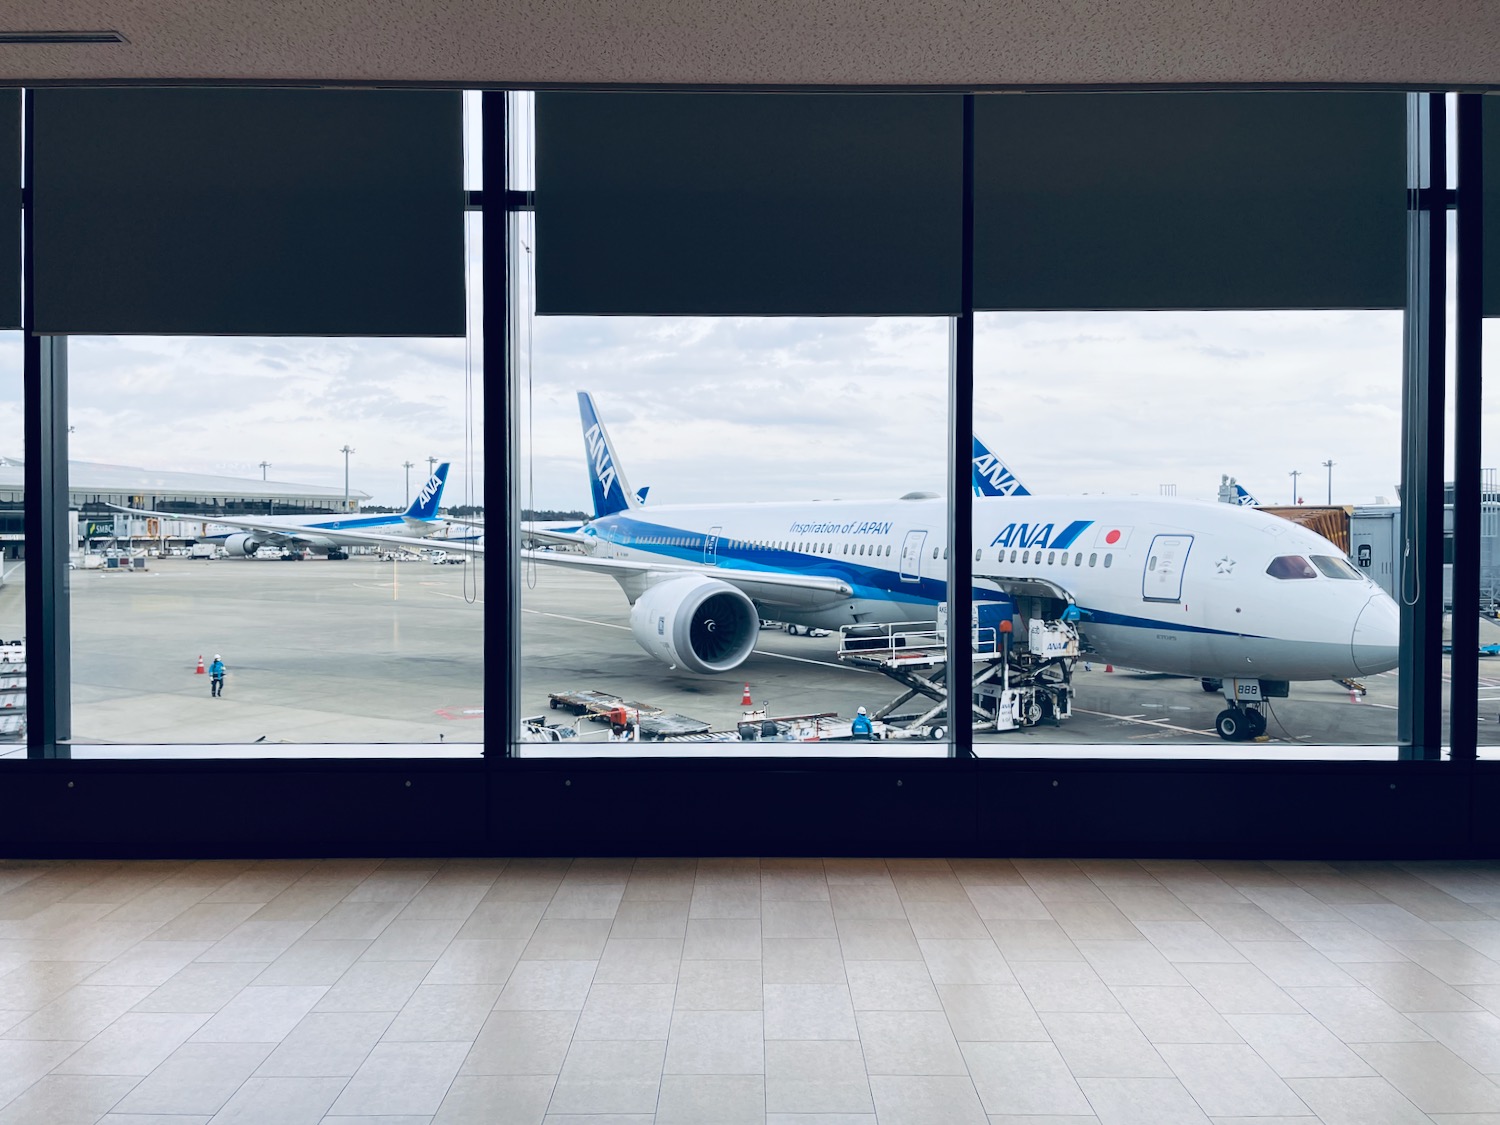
(1240, 724)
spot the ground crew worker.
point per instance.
(216, 676)
(861, 727)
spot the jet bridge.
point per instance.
(1025, 644)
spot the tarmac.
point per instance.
(369, 657)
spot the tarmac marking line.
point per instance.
(1155, 724)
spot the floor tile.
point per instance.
(285, 1101)
(1022, 1078)
(443, 1013)
(990, 1013)
(719, 986)
(80, 1013)
(67, 1099)
(150, 962)
(716, 1043)
(1129, 962)
(891, 986)
(883, 940)
(1228, 1078)
(402, 1078)
(1357, 1101)
(629, 1011)
(965, 961)
(909, 1043)
(495, 1100)
(521, 1044)
(195, 1078)
(904, 1100)
(816, 1076)
(260, 1014)
(1174, 1014)
(1064, 987)
(135, 1044)
(1104, 1045)
(618, 1077)
(1432, 1077)
(476, 961)
(547, 986)
(326, 1045)
(1032, 941)
(1357, 1015)
(311, 962)
(651, 919)
(809, 1011)
(722, 939)
(567, 939)
(1142, 1101)
(374, 986)
(797, 920)
(1411, 988)
(702, 1099)
(200, 988)
(1472, 1036)
(1299, 1047)
(1238, 989)
(644, 961)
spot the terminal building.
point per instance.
(96, 491)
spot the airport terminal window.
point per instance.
(769, 431)
(1152, 574)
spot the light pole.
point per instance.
(431, 461)
(1294, 474)
(407, 466)
(346, 451)
(1329, 466)
(264, 465)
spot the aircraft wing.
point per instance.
(786, 590)
(411, 542)
(561, 536)
(271, 536)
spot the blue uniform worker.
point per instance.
(216, 676)
(860, 727)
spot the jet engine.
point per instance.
(242, 543)
(698, 623)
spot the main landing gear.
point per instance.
(1240, 724)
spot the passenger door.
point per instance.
(1162, 580)
(911, 556)
(711, 546)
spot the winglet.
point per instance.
(425, 506)
(992, 477)
(607, 481)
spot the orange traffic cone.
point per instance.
(1109, 667)
(200, 670)
(746, 702)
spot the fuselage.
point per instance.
(1174, 586)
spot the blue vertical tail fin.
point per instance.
(425, 506)
(606, 480)
(1243, 498)
(992, 476)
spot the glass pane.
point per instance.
(692, 493)
(1226, 482)
(200, 468)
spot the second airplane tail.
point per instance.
(992, 476)
(425, 506)
(606, 480)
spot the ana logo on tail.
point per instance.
(992, 477)
(607, 482)
(425, 506)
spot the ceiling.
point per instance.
(869, 43)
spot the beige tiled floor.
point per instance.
(783, 992)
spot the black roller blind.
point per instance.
(748, 204)
(1190, 201)
(249, 212)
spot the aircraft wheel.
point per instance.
(1256, 722)
(937, 734)
(1211, 685)
(794, 630)
(1231, 725)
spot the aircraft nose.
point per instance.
(1377, 635)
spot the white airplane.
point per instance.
(1196, 589)
(326, 533)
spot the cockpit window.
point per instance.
(1335, 567)
(1291, 566)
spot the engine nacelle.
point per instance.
(243, 544)
(698, 623)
